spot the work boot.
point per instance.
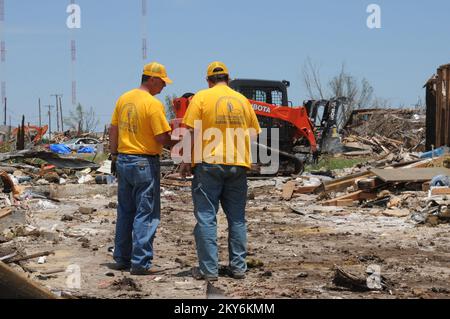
(118, 266)
(199, 275)
(146, 272)
(236, 274)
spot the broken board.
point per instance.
(16, 286)
(410, 174)
(288, 190)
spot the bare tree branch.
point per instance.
(82, 121)
(168, 105)
(312, 80)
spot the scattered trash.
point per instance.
(66, 218)
(440, 180)
(395, 212)
(126, 284)
(112, 205)
(85, 179)
(43, 205)
(105, 179)
(86, 150)
(354, 283)
(86, 210)
(105, 168)
(254, 263)
(60, 149)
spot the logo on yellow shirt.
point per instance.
(230, 110)
(128, 118)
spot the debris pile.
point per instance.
(418, 189)
(381, 131)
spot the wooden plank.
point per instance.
(358, 153)
(45, 253)
(345, 182)
(381, 145)
(288, 190)
(306, 189)
(368, 184)
(440, 191)
(5, 212)
(344, 202)
(367, 196)
(334, 202)
(16, 286)
(410, 174)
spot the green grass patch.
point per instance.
(331, 163)
(99, 158)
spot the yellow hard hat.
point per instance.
(157, 70)
(217, 68)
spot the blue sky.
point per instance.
(263, 39)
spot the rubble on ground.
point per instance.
(379, 229)
(385, 131)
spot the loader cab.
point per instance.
(271, 92)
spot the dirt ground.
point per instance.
(292, 252)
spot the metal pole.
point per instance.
(49, 124)
(40, 119)
(61, 113)
(5, 111)
(49, 121)
(57, 114)
(57, 110)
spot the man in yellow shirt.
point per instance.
(139, 129)
(222, 122)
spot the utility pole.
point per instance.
(9, 130)
(57, 109)
(61, 113)
(40, 118)
(6, 99)
(49, 120)
(21, 135)
(2, 55)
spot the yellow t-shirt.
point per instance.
(222, 119)
(140, 117)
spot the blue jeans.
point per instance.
(138, 211)
(227, 185)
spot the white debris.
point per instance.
(85, 179)
(105, 168)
